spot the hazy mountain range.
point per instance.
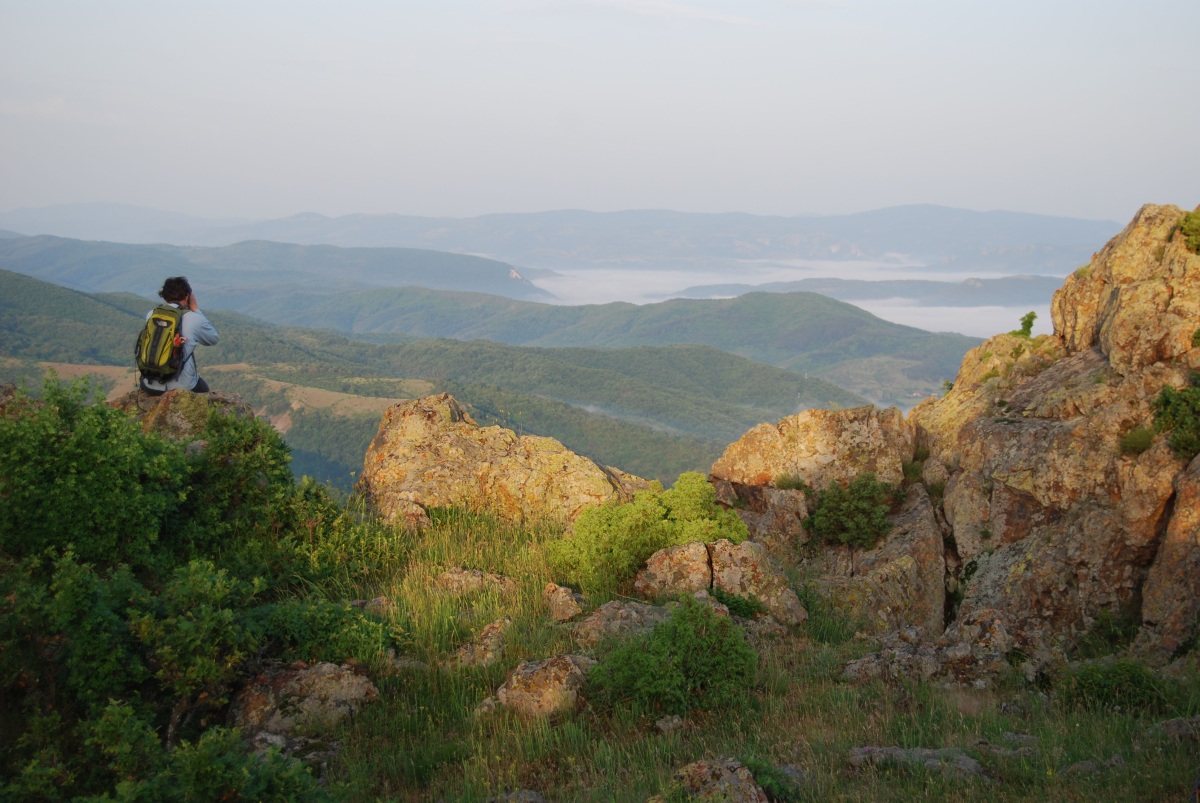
(939, 237)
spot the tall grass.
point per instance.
(423, 740)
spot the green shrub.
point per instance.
(317, 630)
(856, 514)
(85, 476)
(1190, 226)
(696, 660)
(1026, 330)
(610, 542)
(778, 786)
(1137, 440)
(1177, 412)
(1122, 684)
(745, 607)
(791, 482)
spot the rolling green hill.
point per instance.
(802, 332)
(655, 411)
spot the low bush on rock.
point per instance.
(855, 514)
(696, 660)
(1177, 412)
(610, 542)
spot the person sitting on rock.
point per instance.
(196, 330)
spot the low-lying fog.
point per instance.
(650, 284)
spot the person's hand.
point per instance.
(191, 302)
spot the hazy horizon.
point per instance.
(769, 107)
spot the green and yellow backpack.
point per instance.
(159, 349)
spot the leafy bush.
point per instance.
(1137, 440)
(791, 482)
(137, 582)
(85, 476)
(855, 514)
(1177, 412)
(696, 660)
(612, 541)
(745, 607)
(1190, 226)
(1122, 684)
(1026, 329)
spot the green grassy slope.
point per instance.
(799, 331)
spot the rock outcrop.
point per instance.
(541, 688)
(899, 583)
(744, 569)
(180, 414)
(1055, 520)
(430, 453)
(820, 447)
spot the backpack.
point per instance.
(159, 349)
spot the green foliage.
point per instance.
(855, 514)
(1109, 633)
(1122, 684)
(1177, 412)
(85, 476)
(1137, 440)
(745, 607)
(123, 630)
(318, 630)
(694, 661)
(1026, 329)
(612, 541)
(1190, 226)
(1196, 339)
(791, 482)
(825, 625)
(778, 786)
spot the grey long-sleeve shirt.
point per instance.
(197, 331)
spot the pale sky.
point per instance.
(1084, 108)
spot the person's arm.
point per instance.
(204, 333)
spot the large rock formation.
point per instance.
(430, 452)
(1054, 519)
(1050, 518)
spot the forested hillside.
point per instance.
(802, 332)
(654, 411)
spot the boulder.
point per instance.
(430, 452)
(820, 447)
(564, 604)
(723, 779)
(467, 581)
(748, 571)
(541, 688)
(773, 516)
(945, 760)
(675, 570)
(486, 648)
(180, 414)
(619, 619)
(300, 698)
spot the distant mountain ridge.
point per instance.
(255, 267)
(940, 237)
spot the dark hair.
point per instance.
(175, 289)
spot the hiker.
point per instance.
(195, 329)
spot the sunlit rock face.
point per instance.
(1055, 521)
(430, 453)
